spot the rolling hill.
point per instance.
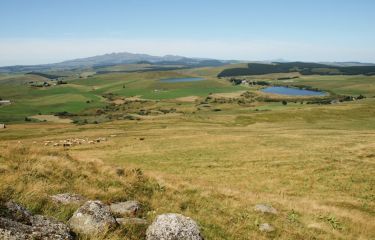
(112, 59)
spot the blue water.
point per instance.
(176, 80)
(292, 91)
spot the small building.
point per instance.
(2, 125)
(4, 102)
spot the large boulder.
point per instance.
(173, 226)
(18, 223)
(128, 208)
(93, 218)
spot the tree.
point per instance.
(284, 102)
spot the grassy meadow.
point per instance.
(209, 160)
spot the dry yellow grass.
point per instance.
(314, 164)
(31, 174)
(51, 118)
(187, 99)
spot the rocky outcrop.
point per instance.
(173, 226)
(265, 209)
(128, 208)
(67, 198)
(18, 223)
(93, 218)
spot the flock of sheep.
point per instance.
(74, 141)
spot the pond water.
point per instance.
(176, 80)
(292, 91)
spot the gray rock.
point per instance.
(18, 213)
(266, 227)
(10, 230)
(67, 198)
(128, 208)
(131, 221)
(47, 228)
(18, 223)
(265, 209)
(93, 218)
(173, 226)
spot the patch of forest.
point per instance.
(301, 67)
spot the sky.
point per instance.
(47, 31)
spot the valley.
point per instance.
(205, 149)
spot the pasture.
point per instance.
(210, 160)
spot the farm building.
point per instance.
(4, 102)
(2, 125)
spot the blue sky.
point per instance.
(43, 31)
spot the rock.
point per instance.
(18, 223)
(67, 198)
(265, 209)
(10, 230)
(266, 227)
(131, 221)
(18, 213)
(128, 208)
(92, 218)
(173, 226)
(47, 228)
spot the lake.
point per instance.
(292, 91)
(176, 80)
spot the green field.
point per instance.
(73, 96)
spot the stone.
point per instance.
(128, 208)
(18, 213)
(67, 198)
(10, 230)
(266, 227)
(19, 223)
(265, 209)
(173, 226)
(93, 218)
(48, 228)
(131, 221)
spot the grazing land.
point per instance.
(209, 149)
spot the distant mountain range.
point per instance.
(132, 58)
(116, 59)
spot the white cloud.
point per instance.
(36, 51)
